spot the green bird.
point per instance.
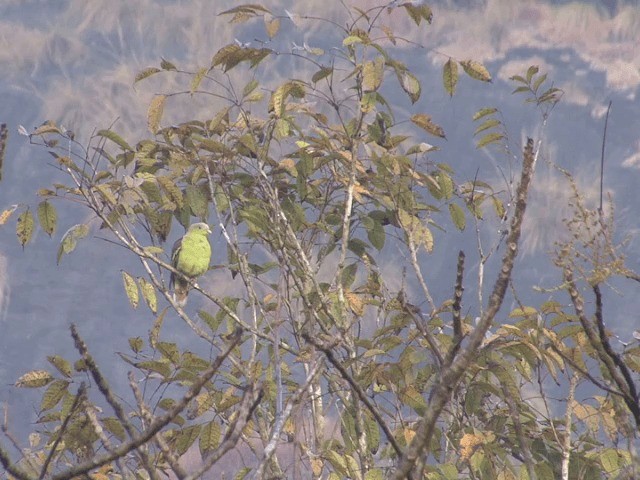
(190, 256)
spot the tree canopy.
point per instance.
(321, 363)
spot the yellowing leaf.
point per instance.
(272, 25)
(410, 85)
(171, 189)
(476, 70)
(149, 294)
(4, 216)
(154, 333)
(424, 122)
(469, 443)
(131, 289)
(24, 227)
(154, 114)
(34, 379)
(372, 73)
(408, 435)
(355, 303)
(316, 466)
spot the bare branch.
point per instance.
(450, 376)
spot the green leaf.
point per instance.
(417, 13)
(136, 344)
(242, 473)
(350, 40)
(251, 9)
(154, 113)
(24, 227)
(349, 275)
(483, 112)
(213, 322)
(372, 429)
(457, 216)
(446, 185)
(539, 81)
(250, 87)
(209, 437)
(531, 71)
(131, 289)
(376, 234)
(70, 238)
(115, 138)
(167, 65)
(490, 138)
(63, 366)
(53, 394)
(169, 350)
(197, 79)
(114, 426)
(161, 366)
(414, 399)
(197, 200)
(147, 72)
(338, 462)
(450, 76)
(523, 312)
(374, 474)
(185, 439)
(324, 72)
(492, 122)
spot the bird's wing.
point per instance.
(175, 253)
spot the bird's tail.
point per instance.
(180, 290)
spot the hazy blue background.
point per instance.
(74, 62)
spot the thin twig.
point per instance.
(104, 388)
(604, 142)
(159, 422)
(328, 352)
(449, 376)
(566, 445)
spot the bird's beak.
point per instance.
(208, 230)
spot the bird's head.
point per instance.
(200, 227)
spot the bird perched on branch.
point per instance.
(190, 256)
